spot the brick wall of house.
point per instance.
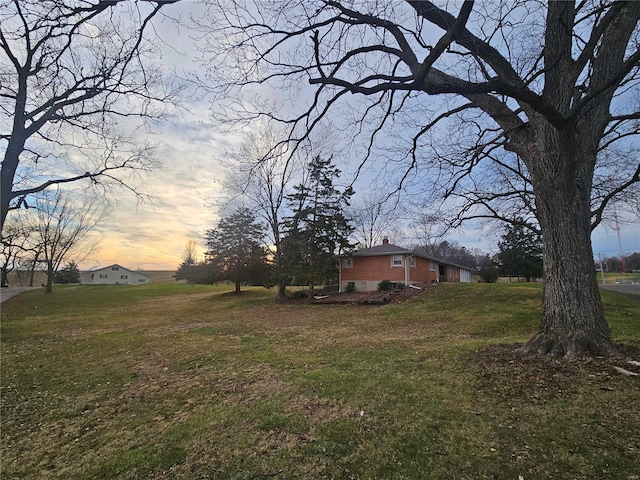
(373, 268)
(422, 272)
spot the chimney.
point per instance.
(385, 241)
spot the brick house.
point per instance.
(367, 267)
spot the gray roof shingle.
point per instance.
(386, 249)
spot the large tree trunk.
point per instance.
(7, 174)
(33, 269)
(573, 322)
(50, 274)
(4, 281)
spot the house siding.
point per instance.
(465, 276)
(113, 275)
(373, 268)
(453, 273)
(366, 272)
(422, 273)
(368, 267)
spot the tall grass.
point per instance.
(175, 381)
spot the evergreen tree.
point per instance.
(520, 253)
(195, 272)
(318, 229)
(68, 274)
(235, 248)
(192, 270)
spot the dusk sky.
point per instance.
(152, 236)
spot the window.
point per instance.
(396, 261)
(141, 280)
(115, 269)
(412, 262)
(347, 263)
(103, 275)
(124, 276)
(432, 265)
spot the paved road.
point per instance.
(7, 293)
(623, 288)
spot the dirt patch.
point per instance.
(369, 298)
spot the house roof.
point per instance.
(385, 249)
(421, 252)
(390, 249)
(97, 268)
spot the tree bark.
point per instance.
(50, 274)
(573, 322)
(33, 269)
(7, 174)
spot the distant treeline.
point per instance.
(615, 264)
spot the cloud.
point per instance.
(153, 235)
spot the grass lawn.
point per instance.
(175, 381)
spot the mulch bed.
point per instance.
(370, 298)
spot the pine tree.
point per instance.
(520, 253)
(318, 229)
(68, 274)
(235, 248)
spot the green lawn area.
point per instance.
(183, 382)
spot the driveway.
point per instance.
(10, 292)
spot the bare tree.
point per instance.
(190, 253)
(259, 176)
(75, 79)
(15, 245)
(537, 94)
(61, 226)
(427, 230)
(372, 220)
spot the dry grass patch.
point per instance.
(187, 382)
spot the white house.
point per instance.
(113, 275)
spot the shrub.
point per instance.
(384, 286)
(489, 274)
(299, 294)
(351, 287)
(69, 274)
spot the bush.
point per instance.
(385, 286)
(300, 294)
(489, 274)
(351, 287)
(69, 274)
